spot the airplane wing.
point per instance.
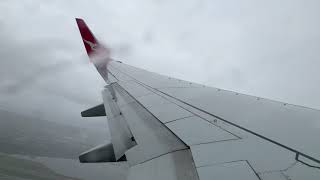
(166, 128)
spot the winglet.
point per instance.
(92, 45)
(89, 41)
(97, 53)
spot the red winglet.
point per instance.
(97, 53)
(90, 42)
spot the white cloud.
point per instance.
(267, 49)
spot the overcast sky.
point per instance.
(264, 48)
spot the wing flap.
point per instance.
(121, 136)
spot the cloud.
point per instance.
(268, 49)
(263, 48)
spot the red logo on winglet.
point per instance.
(90, 42)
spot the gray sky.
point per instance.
(262, 48)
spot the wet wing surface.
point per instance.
(233, 134)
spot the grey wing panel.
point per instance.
(153, 139)
(261, 150)
(238, 169)
(172, 166)
(288, 125)
(155, 146)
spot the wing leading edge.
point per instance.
(161, 124)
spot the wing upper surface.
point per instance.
(286, 124)
(250, 136)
